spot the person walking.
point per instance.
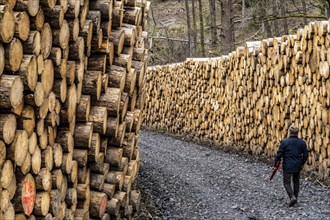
(294, 152)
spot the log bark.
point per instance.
(42, 204)
(98, 204)
(38, 21)
(98, 115)
(83, 135)
(117, 36)
(117, 77)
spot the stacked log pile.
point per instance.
(251, 97)
(71, 101)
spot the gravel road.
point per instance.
(184, 180)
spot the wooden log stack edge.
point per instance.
(249, 98)
(71, 103)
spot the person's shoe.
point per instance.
(293, 201)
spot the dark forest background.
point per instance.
(208, 28)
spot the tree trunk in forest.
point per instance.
(243, 8)
(188, 26)
(213, 23)
(283, 13)
(227, 32)
(201, 27)
(275, 23)
(194, 26)
(263, 15)
(304, 10)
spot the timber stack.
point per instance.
(250, 97)
(71, 101)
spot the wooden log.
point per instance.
(60, 89)
(71, 197)
(42, 204)
(111, 98)
(74, 28)
(22, 22)
(92, 84)
(73, 9)
(113, 207)
(19, 148)
(81, 214)
(25, 196)
(47, 77)
(94, 151)
(46, 40)
(132, 15)
(114, 156)
(28, 72)
(83, 135)
(123, 60)
(117, 14)
(87, 33)
(135, 200)
(83, 12)
(2, 154)
(112, 126)
(97, 63)
(95, 17)
(61, 36)
(55, 201)
(66, 164)
(97, 181)
(27, 5)
(7, 128)
(13, 55)
(57, 179)
(116, 178)
(54, 16)
(109, 189)
(83, 109)
(7, 24)
(117, 77)
(65, 139)
(58, 155)
(37, 22)
(28, 120)
(81, 156)
(43, 180)
(117, 36)
(104, 6)
(77, 47)
(7, 174)
(98, 204)
(122, 197)
(130, 81)
(130, 36)
(47, 159)
(98, 115)
(36, 161)
(119, 139)
(123, 167)
(11, 3)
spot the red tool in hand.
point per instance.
(277, 165)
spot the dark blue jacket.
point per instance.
(294, 153)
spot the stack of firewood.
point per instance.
(251, 97)
(71, 101)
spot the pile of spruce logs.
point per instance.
(71, 100)
(251, 97)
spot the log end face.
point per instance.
(7, 27)
(28, 194)
(10, 129)
(16, 93)
(33, 7)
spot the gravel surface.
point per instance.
(184, 180)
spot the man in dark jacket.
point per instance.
(293, 150)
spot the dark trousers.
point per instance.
(287, 178)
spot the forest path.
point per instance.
(184, 180)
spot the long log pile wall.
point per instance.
(71, 100)
(251, 97)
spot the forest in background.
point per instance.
(208, 28)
